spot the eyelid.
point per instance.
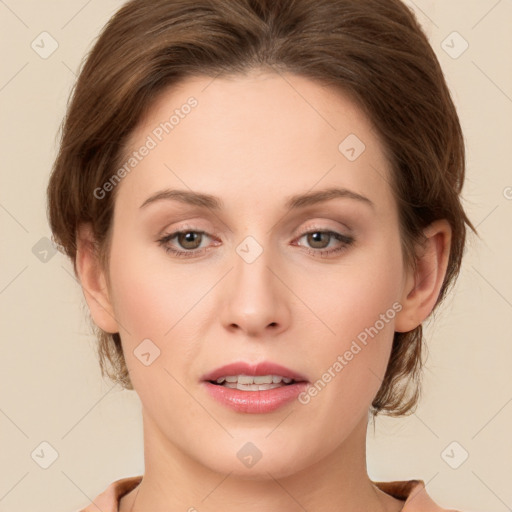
(187, 226)
(324, 226)
(300, 231)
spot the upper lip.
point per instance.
(263, 368)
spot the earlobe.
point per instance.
(93, 281)
(423, 286)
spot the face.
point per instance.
(259, 275)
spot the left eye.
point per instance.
(317, 238)
(189, 239)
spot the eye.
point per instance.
(189, 239)
(319, 241)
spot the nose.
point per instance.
(255, 299)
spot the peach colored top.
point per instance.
(412, 492)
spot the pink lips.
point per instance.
(263, 368)
(256, 402)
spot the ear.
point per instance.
(422, 286)
(93, 280)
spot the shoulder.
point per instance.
(412, 491)
(415, 496)
(108, 500)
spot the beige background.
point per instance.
(51, 388)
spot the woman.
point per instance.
(261, 200)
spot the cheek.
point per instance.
(157, 301)
(357, 346)
(155, 310)
(149, 297)
(358, 304)
(352, 297)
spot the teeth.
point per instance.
(233, 381)
(246, 379)
(252, 387)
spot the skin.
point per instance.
(253, 141)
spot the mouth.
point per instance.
(253, 377)
(253, 383)
(256, 389)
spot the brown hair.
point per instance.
(373, 50)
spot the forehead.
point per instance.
(264, 134)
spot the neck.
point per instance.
(175, 481)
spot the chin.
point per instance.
(258, 459)
(280, 468)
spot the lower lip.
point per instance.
(255, 402)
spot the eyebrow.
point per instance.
(292, 203)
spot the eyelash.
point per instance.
(346, 242)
